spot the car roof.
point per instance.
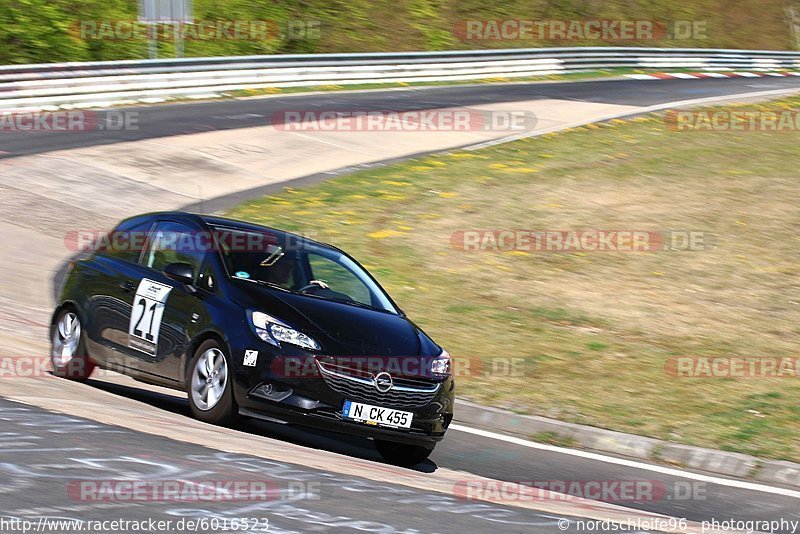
(232, 223)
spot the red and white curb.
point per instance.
(699, 75)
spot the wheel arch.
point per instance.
(198, 340)
(66, 305)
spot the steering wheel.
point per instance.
(313, 284)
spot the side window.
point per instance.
(173, 242)
(338, 278)
(125, 242)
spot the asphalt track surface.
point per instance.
(73, 461)
(34, 482)
(187, 118)
(485, 457)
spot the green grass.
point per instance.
(594, 330)
(568, 77)
(571, 76)
(553, 438)
(35, 31)
(255, 93)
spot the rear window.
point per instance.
(125, 242)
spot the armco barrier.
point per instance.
(115, 82)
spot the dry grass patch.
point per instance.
(595, 329)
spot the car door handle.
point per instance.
(127, 286)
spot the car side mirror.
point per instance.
(180, 272)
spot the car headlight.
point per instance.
(441, 364)
(273, 330)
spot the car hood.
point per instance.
(340, 328)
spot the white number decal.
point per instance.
(148, 308)
(250, 358)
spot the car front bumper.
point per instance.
(264, 391)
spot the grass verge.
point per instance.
(595, 330)
(566, 77)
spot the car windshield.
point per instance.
(295, 265)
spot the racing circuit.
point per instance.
(209, 156)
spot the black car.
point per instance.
(253, 321)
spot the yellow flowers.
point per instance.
(383, 234)
(522, 170)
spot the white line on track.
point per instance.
(740, 484)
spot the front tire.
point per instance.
(402, 454)
(67, 348)
(210, 386)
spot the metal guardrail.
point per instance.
(106, 83)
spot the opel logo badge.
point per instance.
(383, 382)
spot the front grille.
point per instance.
(357, 385)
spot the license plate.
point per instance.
(376, 415)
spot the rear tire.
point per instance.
(402, 454)
(67, 348)
(209, 385)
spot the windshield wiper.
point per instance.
(341, 301)
(264, 283)
(354, 303)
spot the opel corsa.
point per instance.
(257, 322)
